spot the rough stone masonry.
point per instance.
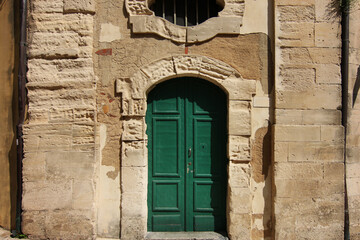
(91, 66)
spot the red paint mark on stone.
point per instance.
(186, 50)
(102, 93)
(111, 100)
(104, 52)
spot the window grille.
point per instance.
(186, 12)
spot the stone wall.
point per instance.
(308, 137)
(353, 128)
(85, 166)
(8, 115)
(59, 167)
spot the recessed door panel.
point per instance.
(166, 195)
(166, 142)
(186, 127)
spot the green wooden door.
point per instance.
(186, 127)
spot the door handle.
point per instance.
(189, 152)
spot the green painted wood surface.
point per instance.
(186, 127)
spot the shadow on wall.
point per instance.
(356, 87)
(261, 173)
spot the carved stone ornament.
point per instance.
(143, 20)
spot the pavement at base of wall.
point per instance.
(5, 234)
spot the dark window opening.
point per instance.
(186, 12)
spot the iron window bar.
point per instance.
(186, 12)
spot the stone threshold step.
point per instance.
(185, 236)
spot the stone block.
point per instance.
(160, 69)
(48, 129)
(334, 171)
(308, 117)
(34, 167)
(325, 11)
(70, 165)
(316, 151)
(64, 45)
(83, 196)
(302, 13)
(133, 129)
(296, 3)
(47, 97)
(239, 175)
(160, 26)
(296, 56)
(297, 34)
(82, 24)
(47, 195)
(214, 26)
(133, 107)
(240, 90)
(60, 115)
(334, 133)
(60, 70)
(44, 6)
(34, 143)
(300, 171)
(133, 154)
(261, 102)
(288, 116)
(239, 118)
(352, 170)
(297, 133)
(291, 207)
(328, 34)
(239, 226)
(297, 188)
(297, 79)
(133, 228)
(70, 224)
(281, 151)
(239, 200)
(332, 231)
(134, 205)
(79, 6)
(328, 74)
(33, 224)
(133, 179)
(233, 9)
(324, 97)
(325, 55)
(239, 148)
(353, 186)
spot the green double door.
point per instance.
(186, 127)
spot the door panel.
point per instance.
(186, 127)
(166, 146)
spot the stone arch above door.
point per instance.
(134, 157)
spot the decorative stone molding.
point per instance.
(134, 156)
(143, 20)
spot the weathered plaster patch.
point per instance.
(109, 202)
(250, 23)
(109, 32)
(108, 196)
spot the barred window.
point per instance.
(186, 12)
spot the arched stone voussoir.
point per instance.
(203, 67)
(213, 70)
